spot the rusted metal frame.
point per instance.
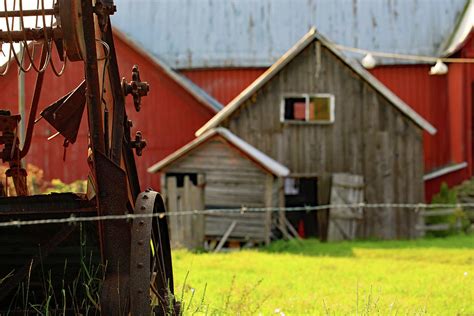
(111, 187)
(140, 269)
(57, 203)
(129, 161)
(113, 200)
(30, 34)
(34, 104)
(11, 283)
(119, 100)
(65, 115)
(27, 13)
(92, 77)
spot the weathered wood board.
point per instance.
(344, 221)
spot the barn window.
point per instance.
(311, 108)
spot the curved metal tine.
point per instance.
(18, 61)
(25, 42)
(53, 66)
(7, 64)
(45, 32)
(34, 105)
(7, 23)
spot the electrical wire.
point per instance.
(430, 59)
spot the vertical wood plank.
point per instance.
(268, 203)
(198, 204)
(171, 187)
(281, 205)
(187, 226)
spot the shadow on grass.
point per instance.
(313, 247)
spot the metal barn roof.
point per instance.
(251, 33)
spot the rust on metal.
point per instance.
(65, 115)
(139, 143)
(140, 276)
(34, 104)
(70, 12)
(31, 34)
(136, 88)
(113, 187)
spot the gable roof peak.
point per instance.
(294, 51)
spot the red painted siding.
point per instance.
(427, 95)
(224, 84)
(446, 102)
(168, 120)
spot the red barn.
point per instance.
(174, 109)
(444, 100)
(224, 46)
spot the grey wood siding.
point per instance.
(231, 179)
(369, 137)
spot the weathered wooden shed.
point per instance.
(325, 117)
(218, 170)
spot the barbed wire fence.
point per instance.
(73, 218)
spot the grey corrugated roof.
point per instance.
(461, 30)
(203, 33)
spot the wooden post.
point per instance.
(163, 186)
(187, 226)
(198, 222)
(226, 235)
(281, 204)
(268, 203)
(171, 190)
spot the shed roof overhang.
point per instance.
(261, 159)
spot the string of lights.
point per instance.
(421, 58)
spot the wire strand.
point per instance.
(72, 219)
(430, 59)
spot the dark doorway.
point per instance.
(180, 178)
(302, 192)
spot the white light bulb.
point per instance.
(368, 61)
(439, 68)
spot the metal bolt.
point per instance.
(145, 197)
(141, 223)
(143, 208)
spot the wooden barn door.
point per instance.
(185, 193)
(344, 221)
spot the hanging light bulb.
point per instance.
(368, 61)
(439, 68)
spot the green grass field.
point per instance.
(431, 276)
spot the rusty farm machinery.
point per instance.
(136, 253)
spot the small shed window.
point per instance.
(315, 108)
